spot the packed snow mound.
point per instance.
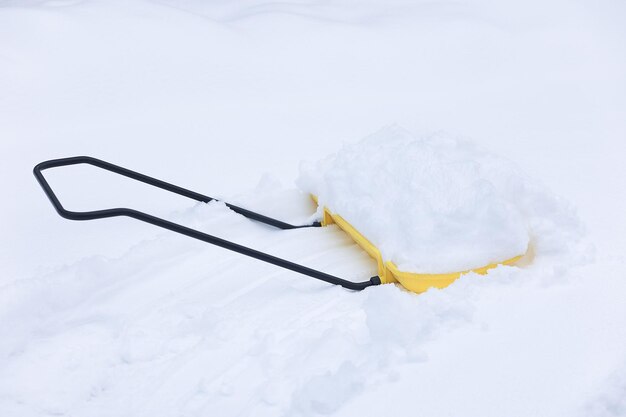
(430, 204)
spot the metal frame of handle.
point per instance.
(178, 228)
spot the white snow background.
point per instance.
(114, 317)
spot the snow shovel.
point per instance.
(388, 272)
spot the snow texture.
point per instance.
(431, 205)
(118, 318)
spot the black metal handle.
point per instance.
(114, 212)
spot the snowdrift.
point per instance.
(430, 205)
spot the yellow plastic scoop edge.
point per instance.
(389, 272)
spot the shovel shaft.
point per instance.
(178, 228)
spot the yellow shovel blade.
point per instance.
(389, 272)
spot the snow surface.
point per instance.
(115, 317)
(431, 205)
